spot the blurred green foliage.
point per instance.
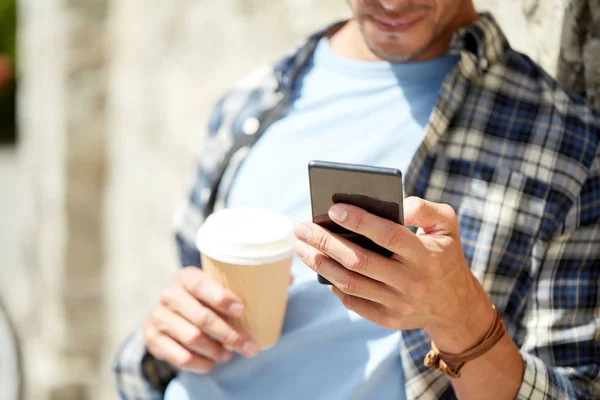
(8, 25)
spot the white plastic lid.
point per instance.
(246, 236)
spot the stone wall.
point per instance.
(114, 99)
(62, 121)
(578, 66)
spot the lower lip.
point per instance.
(400, 28)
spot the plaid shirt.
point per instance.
(516, 156)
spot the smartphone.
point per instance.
(376, 190)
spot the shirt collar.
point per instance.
(483, 39)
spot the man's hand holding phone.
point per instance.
(425, 284)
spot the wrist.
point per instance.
(467, 327)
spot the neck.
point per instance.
(348, 41)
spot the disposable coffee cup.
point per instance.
(250, 252)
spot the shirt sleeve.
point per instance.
(561, 349)
(139, 376)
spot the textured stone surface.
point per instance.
(62, 117)
(114, 100)
(579, 62)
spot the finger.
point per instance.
(389, 235)
(210, 293)
(188, 335)
(209, 322)
(350, 255)
(430, 217)
(164, 348)
(369, 310)
(348, 282)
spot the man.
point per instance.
(503, 168)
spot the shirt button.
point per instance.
(205, 195)
(485, 64)
(251, 126)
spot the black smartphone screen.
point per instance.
(374, 189)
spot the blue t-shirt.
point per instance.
(344, 111)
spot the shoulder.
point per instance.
(530, 124)
(537, 111)
(249, 96)
(526, 80)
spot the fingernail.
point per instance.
(236, 310)
(250, 349)
(338, 213)
(303, 232)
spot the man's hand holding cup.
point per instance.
(236, 302)
(188, 330)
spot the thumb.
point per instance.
(430, 217)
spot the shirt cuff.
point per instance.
(541, 382)
(130, 366)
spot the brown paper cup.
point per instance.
(250, 252)
(264, 290)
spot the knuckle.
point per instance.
(417, 201)
(166, 299)
(150, 336)
(417, 204)
(358, 261)
(419, 289)
(156, 318)
(391, 238)
(199, 283)
(319, 261)
(359, 222)
(448, 211)
(233, 338)
(221, 300)
(194, 338)
(322, 242)
(205, 318)
(349, 286)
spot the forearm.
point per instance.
(496, 375)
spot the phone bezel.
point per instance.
(359, 168)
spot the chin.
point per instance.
(400, 49)
(396, 53)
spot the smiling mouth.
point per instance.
(396, 25)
